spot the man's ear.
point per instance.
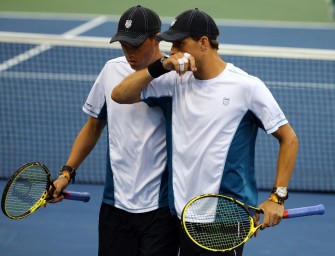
(156, 42)
(154, 39)
(204, 43)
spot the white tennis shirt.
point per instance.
(208, 124)
(136, 157)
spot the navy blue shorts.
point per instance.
(154, 233)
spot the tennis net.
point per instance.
(45, 80)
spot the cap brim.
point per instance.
(171, 36)
(130, 38)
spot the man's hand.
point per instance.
(273, 214)
(56, 192)
(180, 62)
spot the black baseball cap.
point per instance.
(136, 25)
(190, 23)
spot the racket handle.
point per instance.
(304, 211)
(77, 196)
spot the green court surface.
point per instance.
(283, 10)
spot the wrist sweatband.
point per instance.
(66, 175)
(71, 172)
(157, 69)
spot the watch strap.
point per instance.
(276, 199)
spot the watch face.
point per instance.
(281, 191)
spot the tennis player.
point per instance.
(217, 110)
(134, 219)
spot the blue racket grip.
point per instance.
(77, 196)
(304, 211)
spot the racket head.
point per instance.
(26, 190)
(217, 223)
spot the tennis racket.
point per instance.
(27, 190)
(220, 223)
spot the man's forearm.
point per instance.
(129, 90)
(287, 156)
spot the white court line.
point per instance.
(91, 78)
(23, 57)
(300, 85)
(86, 26)
(42, 48)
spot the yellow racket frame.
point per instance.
(252, 230)
(41, 202)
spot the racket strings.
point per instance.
(217, 223)
(26, 190)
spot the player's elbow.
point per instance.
(295, 141)
(290, 139)
(292, 142)
(119, 95)
(286, 136)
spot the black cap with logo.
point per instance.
(190, 23)
(136, 25)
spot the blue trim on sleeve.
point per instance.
(103, 113)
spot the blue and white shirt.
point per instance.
(213, 131)
(136, 175)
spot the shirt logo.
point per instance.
(225, 101)
(128, 23)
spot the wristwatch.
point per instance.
(280, 191)
(279, 195)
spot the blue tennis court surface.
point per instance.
(70, 228)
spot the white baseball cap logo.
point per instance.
(128, 23)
